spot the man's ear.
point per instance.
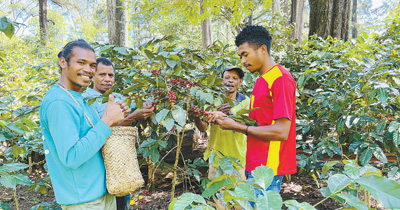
(264, 49)
(63, 63)
(241, 81)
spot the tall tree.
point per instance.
(206, 28)
(276, 6)
(297, 18)
(117, 22)
(354, 32)
(330, 18)
(43, 22)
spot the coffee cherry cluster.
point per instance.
(172, 96)
(154, 72)
(182, 82)
(201, 111)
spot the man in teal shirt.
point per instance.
(103, 80)
(73, 133)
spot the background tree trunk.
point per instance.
(276, 6)
(117, 22)
(285, 10)
(206, 29)
(297, 18)
(354, 32)
(43, 22)
(330, 18)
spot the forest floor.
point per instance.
(300, 187)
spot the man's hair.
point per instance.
(66, 52)
(104, 61)
(255, 36)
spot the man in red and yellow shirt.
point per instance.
(273, 143)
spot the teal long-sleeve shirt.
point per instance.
(72, 147)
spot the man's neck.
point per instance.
(68, 85)
(231, 95)
(269, 63)
(96, 89)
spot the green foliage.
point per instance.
(348, 95)
(7, 27)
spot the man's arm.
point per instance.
(276, 132)
(144, 113)
(200, 124)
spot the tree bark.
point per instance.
(117, 22)
(43, 26)
(330, 18)
(276, 6)
(354, 32)
(206, 29)
(297, 18)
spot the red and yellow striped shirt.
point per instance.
(275, 94)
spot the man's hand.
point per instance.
(125, 108)
(113, 112)
(145, 112)
(211, 117)
(226, 123)
(195, 111)
(225, 108)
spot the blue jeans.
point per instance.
(275, 186)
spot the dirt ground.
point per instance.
(300, 188)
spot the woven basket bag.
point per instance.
(120, 159)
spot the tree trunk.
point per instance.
(276, 6)
(117, 22)
(297, 18)
(354, 32)
(206, 30)
(330, 18)
(285, 11)
(43, 22)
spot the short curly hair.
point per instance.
(255, 36)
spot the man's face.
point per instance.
(80, 68)
(232, 81)
(251, 58)
(103, 78)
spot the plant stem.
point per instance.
(334, 193)
(179, 145)
(16, 199)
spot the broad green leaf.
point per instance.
(380, 155)
(12, 167)
(325, 191)
(353, 201)
(226, 165)
(5, 206)
(148, 143)
(366, 156)
(169, 123)
(11, 180)
(29, 122)
(160, 116)
(154, 154)
(209, 97)
(368, 170)
(171, 63)
(7, 27)
(246, 111)
(213, 187)
(352, 170)
(384, 190)
(269, 201)
(337, 182)
(263, 176)
(246, 191)
(185, 200)
(328, 166)
(380, 127)
(393, 126)
(295, 205)
(382, 96)
(179, 114)
(16, 128)
(396, 139)
(17, 150)
(149, 54)
(121, 50)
